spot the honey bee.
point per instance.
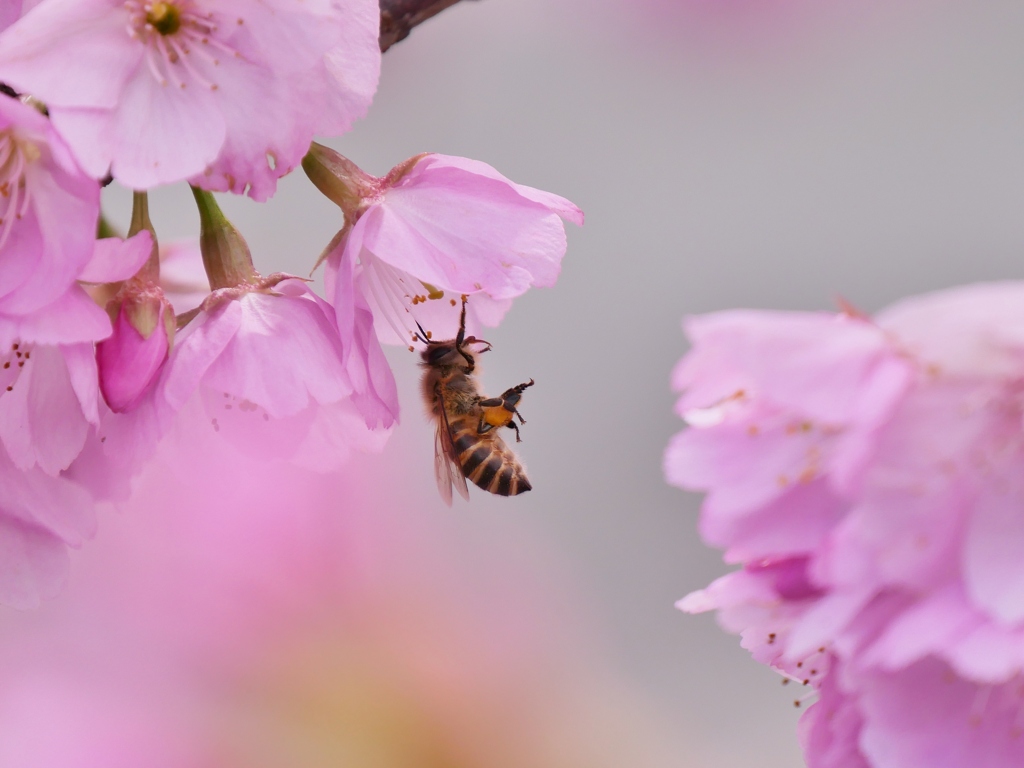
(466, 444)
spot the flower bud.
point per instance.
(343, 182)
(130, 359)
(226, 256)
(347, 185)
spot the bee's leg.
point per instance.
(461, 337)
(511, 397)
(512, 425)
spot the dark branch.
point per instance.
(398, 17)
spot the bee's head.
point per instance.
(441, 353)
(445, 354)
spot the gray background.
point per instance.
(771, 155)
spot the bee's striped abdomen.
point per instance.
(486, 460)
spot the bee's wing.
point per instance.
(446, 465)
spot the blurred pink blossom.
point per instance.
(226, 94)
(867, 474)
(233, 617)
(48, 212)
(182, 276)
(40, 516)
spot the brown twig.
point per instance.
(398, 17)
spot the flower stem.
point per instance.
(398, 17)
(150, 271)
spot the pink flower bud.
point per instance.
(130, 359)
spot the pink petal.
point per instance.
(987, 654)
(81, 363)
(115, 259)
(120, 447)
(827, 619)
(927, 717)
(397, 318)
(286, 87)
(351, 68)
(284, 355)
(52, 504)
(744, 464)
(183, 131)
(74, 318)
(35, 53)
(927, 627)
(373, 383)
(248, 426)
(992, 551)
(9, 13)
(41, 418)
(50, 243)
(815, 364)
(564, 208)
(195, 350)
(797, 522)
(338, 430)
(464, 232)
(33, 564)
(830, 729)
(973, 330)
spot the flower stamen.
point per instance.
(12, 363)
(15, 196)
(174, 33)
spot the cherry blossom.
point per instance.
(261, 362)
(867, 476)
(226, 94)
(48, 212)
(263, 365)
(436, 227)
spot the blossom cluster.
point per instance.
(110, 344)
(868, 476)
